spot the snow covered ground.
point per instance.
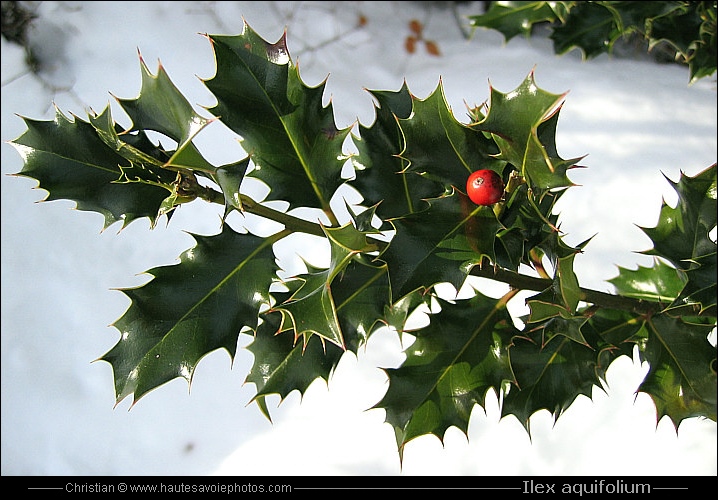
(634, 118)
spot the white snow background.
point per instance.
(635, 119)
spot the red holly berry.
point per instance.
(485, 187)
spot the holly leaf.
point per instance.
(380, 171)
(282, 365)
(191, 309)
(529, 223)
(551, 173)
(637, 16)
(682, 235)
(569, 327)
(439, 147)
(312, 308)
(680, 28)
(449, 368)
(595, 27)
(544, 306)
(549, 375)
(398, 312)
(682, 232)
(658, 283)
(229, 178)
(364, 220)
(589, 26)
(290, 136)
(361, 294)
(701, 286)
(681, 379)
(514, 119)
(146, 160)
(140, 142)
(162, 108)
(514, 18)
(144, 165)
(702, 62)
(615, 331)
(71, 161)
(417, 255)
(563, 296)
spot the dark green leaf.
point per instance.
(191, 309)
(701, 286)
(529, 224)
(107, 131)
(680, 29)
(687, 27)
(281, 365)
(72, 162)
(681, 379)
(636, 16)
(514, 18)
(161, 107)
(615, 333)
(568, 283)
(658, 283)
(145, 168)
(397, 313)
(361, 295)
(312, 307)
(548, 376)
(380, 176)
(290, 136)
(454, 361)
(569, 327)
(703, 59)
(551, 173)
(364, 221)
(594, 27)
(229, 178)
(452, 229)
(591, 26)
(437, 146)
(682, 235)
(514, 120)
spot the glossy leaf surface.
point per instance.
(414, 231)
